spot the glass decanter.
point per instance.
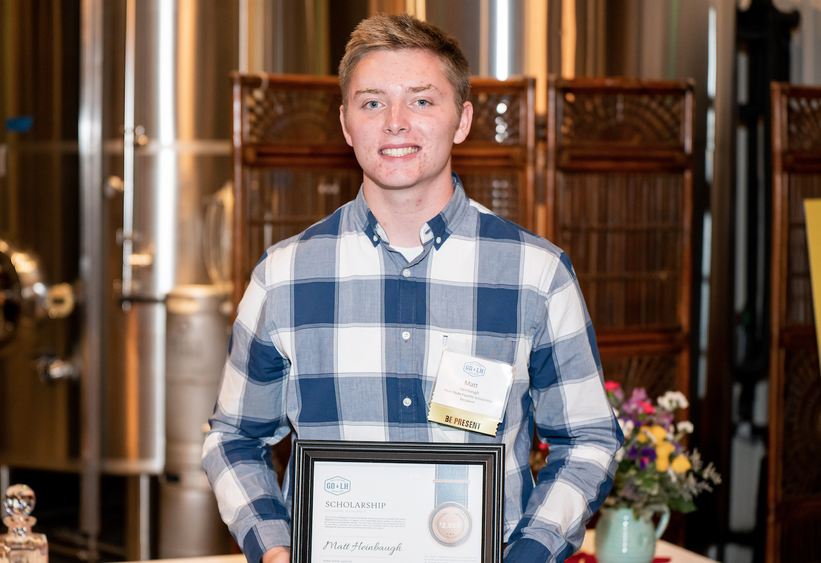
(20, 544)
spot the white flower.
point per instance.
(626, 426)
(695, 459)
(685, 427)
(673, 400)
(619, 455)
(711, 474)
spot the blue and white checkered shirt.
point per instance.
(338, 337)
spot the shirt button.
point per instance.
(438, 240)
(405, 335)
(406, 273)
(407, 402)
(375, 238)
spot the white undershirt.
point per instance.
(408, 252)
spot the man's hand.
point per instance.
(277, 555)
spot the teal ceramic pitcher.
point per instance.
(620, 538)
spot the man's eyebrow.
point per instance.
(368, 91)
(417, 89)
(409, 89)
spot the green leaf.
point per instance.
(682, 505)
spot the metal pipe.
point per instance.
(128, 147)
(145, 516)
(92, 261)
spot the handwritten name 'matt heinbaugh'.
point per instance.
(362, 546)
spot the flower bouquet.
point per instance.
(654, 467)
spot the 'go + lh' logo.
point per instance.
(337, 486)
(474, 369)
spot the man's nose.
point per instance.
(397, 121)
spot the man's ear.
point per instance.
(344, 125)
(464, 123)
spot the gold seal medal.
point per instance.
(450, 523)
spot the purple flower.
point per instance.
(649, 453)
(639, 394)
(633, 453)
(635, 406)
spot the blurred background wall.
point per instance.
(114, 157)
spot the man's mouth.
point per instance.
(399, 152)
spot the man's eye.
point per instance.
(423, 103)
(372, 105)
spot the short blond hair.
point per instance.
(395, 33)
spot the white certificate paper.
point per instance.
(383, 512)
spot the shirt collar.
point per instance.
(437, 229)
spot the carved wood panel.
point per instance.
(628, 117)
(804, 121)
(498, 191)
(623, 233)
(794, 477)
(497, 117)
(801, 475)
(277, 115)
(619, 190)
(801, 544)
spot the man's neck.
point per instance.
(403, 211)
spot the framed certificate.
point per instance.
(406, 502)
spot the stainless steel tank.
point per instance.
(198, 325)
(162, 117)
(166, 141)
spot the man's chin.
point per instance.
(394, 184)
(401, 182)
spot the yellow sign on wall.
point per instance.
(812, 212)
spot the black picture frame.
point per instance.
(308, 452)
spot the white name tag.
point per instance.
(470, 393)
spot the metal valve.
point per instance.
(23, 293)
(59, 301)
(51, 368)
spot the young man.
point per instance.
(341, 330)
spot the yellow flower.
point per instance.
(658, 432)
(642, 436)
(663, 451)
(681, 464)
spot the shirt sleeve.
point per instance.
(249, 416)
(573, 414)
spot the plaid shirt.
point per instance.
(339, 337)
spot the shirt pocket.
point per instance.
(497, 348)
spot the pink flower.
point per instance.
(646, 407)
(611, 385)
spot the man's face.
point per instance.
(401, 119)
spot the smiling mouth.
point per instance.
(399, 152)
